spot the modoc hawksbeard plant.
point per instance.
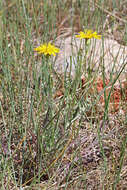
(47, 50)
(46, 87)
(86, 35)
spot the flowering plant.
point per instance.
(47, 49)
(88, 34)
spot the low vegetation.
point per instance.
(60, 130)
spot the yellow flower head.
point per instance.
(87, 34)
(47, 49)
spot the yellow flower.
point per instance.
(87, 34)
(47, 49)
(95, 35)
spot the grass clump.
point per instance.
(61, 130)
